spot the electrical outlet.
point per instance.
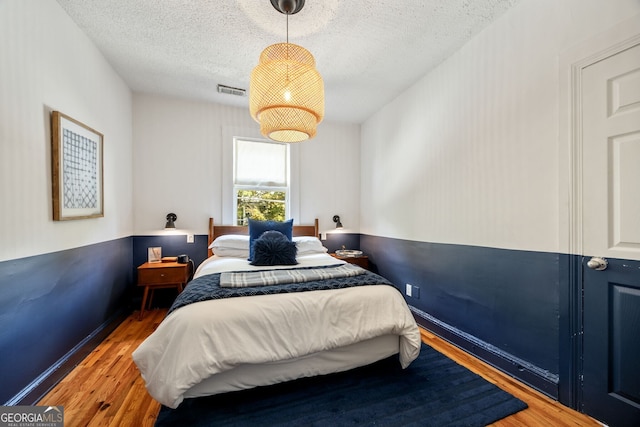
(408, 289)
(415, 292)
(190, 238)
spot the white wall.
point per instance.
(470, 154)
(183, 159)
(46, 64)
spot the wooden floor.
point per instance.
(106, 388)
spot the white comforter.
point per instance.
(210, 337)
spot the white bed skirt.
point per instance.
(325, 362)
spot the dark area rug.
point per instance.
(433, 391)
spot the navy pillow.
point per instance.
(273, 248)
(256, 228)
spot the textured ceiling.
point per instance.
(366, 51)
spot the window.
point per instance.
(260, 180)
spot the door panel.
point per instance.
(611, 229)
(624, 152)
(625, 377)
(611, 156)
(611, 377)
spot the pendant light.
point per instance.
(286, 92)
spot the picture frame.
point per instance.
(77, 169)
(154, 254)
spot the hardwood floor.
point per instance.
(106, 388)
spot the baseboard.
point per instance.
(523, 371)
(39, 387)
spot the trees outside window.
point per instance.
(261, 180)
(261, 205)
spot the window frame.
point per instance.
(238, 187)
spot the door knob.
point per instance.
(597, 263)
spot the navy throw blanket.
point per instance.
(207, 287)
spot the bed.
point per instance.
(269, 334)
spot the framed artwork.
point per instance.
(155, 254)
(76, 156)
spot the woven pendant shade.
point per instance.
(286, 93)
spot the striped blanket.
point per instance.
(244, 279)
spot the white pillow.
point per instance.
(231, 241)
(237, 245)
(231, 252)
(309, 245)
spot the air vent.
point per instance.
(231, 90)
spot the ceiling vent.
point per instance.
(231, 90)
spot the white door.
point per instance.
(611, 238)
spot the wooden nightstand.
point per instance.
(362, 260)
(161, 275)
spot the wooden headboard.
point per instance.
(220, 230)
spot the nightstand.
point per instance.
(361, 260)
(161, 275)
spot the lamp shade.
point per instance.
(170, 225)
(286, 93)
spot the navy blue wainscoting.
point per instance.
(571, 310)
(500, 305)
(336, 240)
(51, 306)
